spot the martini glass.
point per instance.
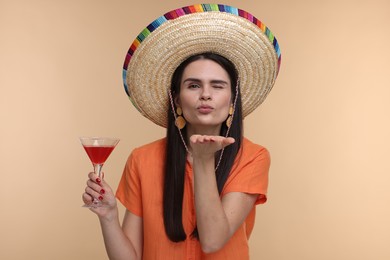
(98, 150)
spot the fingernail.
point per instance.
(100, 198)
(98, 180)
(102, 191)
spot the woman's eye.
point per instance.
(218, 86)
(193, 86)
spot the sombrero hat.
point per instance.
(170, 39)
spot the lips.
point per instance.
(205, 109)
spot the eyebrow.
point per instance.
(214, 81)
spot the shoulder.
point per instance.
(250, 156)
(251, 150)
(153, 148)
(151, 152)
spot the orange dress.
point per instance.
(141, 192)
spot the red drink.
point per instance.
(98, 154)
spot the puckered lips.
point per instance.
(205, 109)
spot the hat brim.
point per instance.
(149, 69)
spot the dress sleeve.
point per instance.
(129, 188)
(250, 173)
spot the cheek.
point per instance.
(186, 102)
(224, 106)
(226, 109)
(228, 101)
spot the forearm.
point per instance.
(212, 223)
(118, 245)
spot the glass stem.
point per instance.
(98, 169)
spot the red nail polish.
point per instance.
(102, 191)
(98, 180)
(100, 197)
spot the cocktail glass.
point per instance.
(98, 150)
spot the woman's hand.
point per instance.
(205, 146)
(97, 188)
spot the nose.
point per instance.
(205, 95)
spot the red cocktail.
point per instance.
(98, 154)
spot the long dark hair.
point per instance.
(176, 152)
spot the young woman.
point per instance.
(191, 195)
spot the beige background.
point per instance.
(326, 124)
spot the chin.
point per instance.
(207, 124)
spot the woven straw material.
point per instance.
(149, 71)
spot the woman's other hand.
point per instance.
(204, 146)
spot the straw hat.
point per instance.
(169, 40)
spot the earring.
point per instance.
(180, 122)
(230, 117)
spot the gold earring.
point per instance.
(180, 122)
(230, 117)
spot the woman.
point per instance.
(191, 195)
